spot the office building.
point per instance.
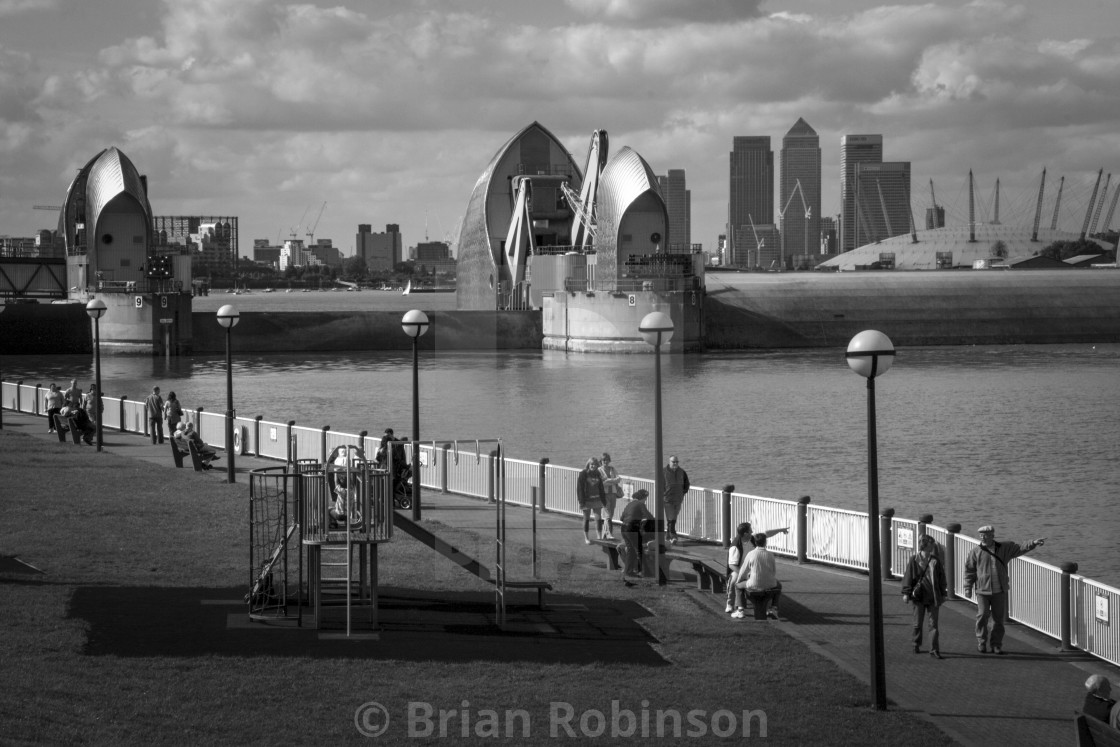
(854, 150)
(882, 198)
(678, 201)
(382, 252)
(751, 193)
(213, 239)
(799, 191)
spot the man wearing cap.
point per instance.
(985, 572)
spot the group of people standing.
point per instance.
(85, 408)
(925, 586)
(598, 488)
(181, 431)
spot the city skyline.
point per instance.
(266, 110)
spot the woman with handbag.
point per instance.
(925, 587)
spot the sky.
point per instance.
(323, 115)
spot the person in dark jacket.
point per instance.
(635, 517)
(925, 586)
(676, 488)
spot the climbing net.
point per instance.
(272, 527)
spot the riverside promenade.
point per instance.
(1025, 697)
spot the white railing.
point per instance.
(832, 536)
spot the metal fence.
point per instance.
(832, 536)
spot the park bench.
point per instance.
(64, 425)
(1092, 732)
(196, 458)
(176, 454)
(540, 586)
(710, 574)
(613, 549)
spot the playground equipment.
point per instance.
(334, 516)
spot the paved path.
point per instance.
(1026, 697)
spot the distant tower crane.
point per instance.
(311, 231)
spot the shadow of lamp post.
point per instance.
(656, 327)
(96, 309)
(228, 318)
(871, 354)
(415, 323)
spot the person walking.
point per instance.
(55, 401)
(635, 517)
(985, 572)
(154, 406)
(925, 586)
(589, 493)
(676, 486)
(172, 412)
(612, 491)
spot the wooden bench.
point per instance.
(1094, 732)
(710, 575)
(613, 549)
(196, 458)
(176, 454)
(67, 424)
(60, 427)
(540, 586)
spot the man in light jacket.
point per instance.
(985, 572)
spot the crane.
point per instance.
(294, 231)
(782, 217)
(311, 232)
(758, 244)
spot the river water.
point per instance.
(1023, 437)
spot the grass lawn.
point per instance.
(134, 634)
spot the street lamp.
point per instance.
(415, 323)
(656, 327)
(96, 309)
(228, 318)
(870, 354)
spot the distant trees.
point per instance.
(1063, 250)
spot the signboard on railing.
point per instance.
(1102, 608)
(905, 537)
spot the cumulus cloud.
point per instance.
(14, 7)
(666, 11)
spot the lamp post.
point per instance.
(96, 309)
(415, 323)
(3, 308)
(871, 354)
(656, 327)
(228, 318)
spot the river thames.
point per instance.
(1023, 437)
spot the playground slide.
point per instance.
(417, 532)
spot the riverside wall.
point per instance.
(282, 332)
(962, 307)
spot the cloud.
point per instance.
(666, 11)
(17, 7)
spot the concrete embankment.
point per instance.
(962, 307)
(276, 332)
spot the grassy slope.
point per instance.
(113, 535)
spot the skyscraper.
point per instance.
(854, 149)
(751, 192)
(882, 195)
(801, 165)
(678, 203)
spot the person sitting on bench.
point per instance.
(85, 426)
(758, 578)
(186, 434)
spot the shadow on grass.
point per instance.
(132, 621)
